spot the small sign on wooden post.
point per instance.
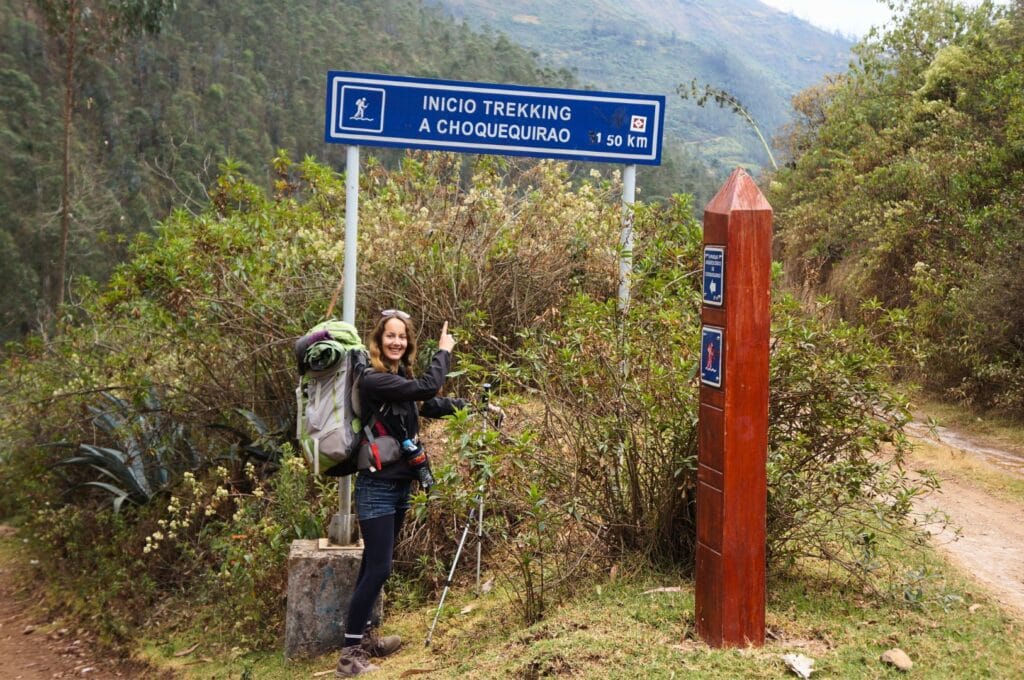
(733, 426)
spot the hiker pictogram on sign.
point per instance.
(362, 108)
(711, 356)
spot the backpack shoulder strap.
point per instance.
(361, 369)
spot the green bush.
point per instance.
(243, 588)
(836, 450)
(905, 186)
(621, 414)
(204, 315)
(215, 554)
(599, 460)
(596, 463)
(620, 397)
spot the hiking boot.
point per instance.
(353, 661)
(379, 646)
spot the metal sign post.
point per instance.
(444, 115)
(626, 239)
(342, 527)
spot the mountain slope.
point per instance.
(154, 120)
(759, 54)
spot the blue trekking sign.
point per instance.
(714, 275)
(510, 120)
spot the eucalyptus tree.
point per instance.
(79, 29)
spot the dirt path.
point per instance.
(990, 544)
(1003, 459)
(34, 648)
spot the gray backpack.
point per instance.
(331, 359)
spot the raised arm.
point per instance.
(392, 387)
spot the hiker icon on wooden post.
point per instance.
(733, 426)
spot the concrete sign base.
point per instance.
(320, 585)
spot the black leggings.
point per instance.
(380, 535)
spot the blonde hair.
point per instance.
(408, 359)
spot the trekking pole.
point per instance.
(451, 573)
(480, 513)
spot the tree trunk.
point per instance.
(68, 113)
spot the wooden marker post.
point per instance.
(733, 426)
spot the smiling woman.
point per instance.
(396, 398)
(395, 340)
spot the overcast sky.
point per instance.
(850, 17)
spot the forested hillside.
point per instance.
(157, 102)
(907, 188)
(149, 452)
(755, 52)
(155, 116)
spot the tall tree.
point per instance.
(81, 28)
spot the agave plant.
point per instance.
(150, 449)
(126, 483)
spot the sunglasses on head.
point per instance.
(395, 312)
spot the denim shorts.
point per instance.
(380, 497)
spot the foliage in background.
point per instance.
(621, 414)
(205, 312)
(598, 463)
(620, 417)
(151, 122)
(79, 30)
(493, 259)
(837, 486)
(222, 80)
(213, 556)
(147, 450)
(906, 183)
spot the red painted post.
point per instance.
(733, 425)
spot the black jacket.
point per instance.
(393, 397)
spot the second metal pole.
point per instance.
(625, 282)
(626, 238)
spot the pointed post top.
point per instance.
(738, 193)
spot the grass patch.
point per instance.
(618, 629)
(989, 428)
(17, 580)
(946, 461)
(8, 541)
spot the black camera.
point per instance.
(416, 456)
